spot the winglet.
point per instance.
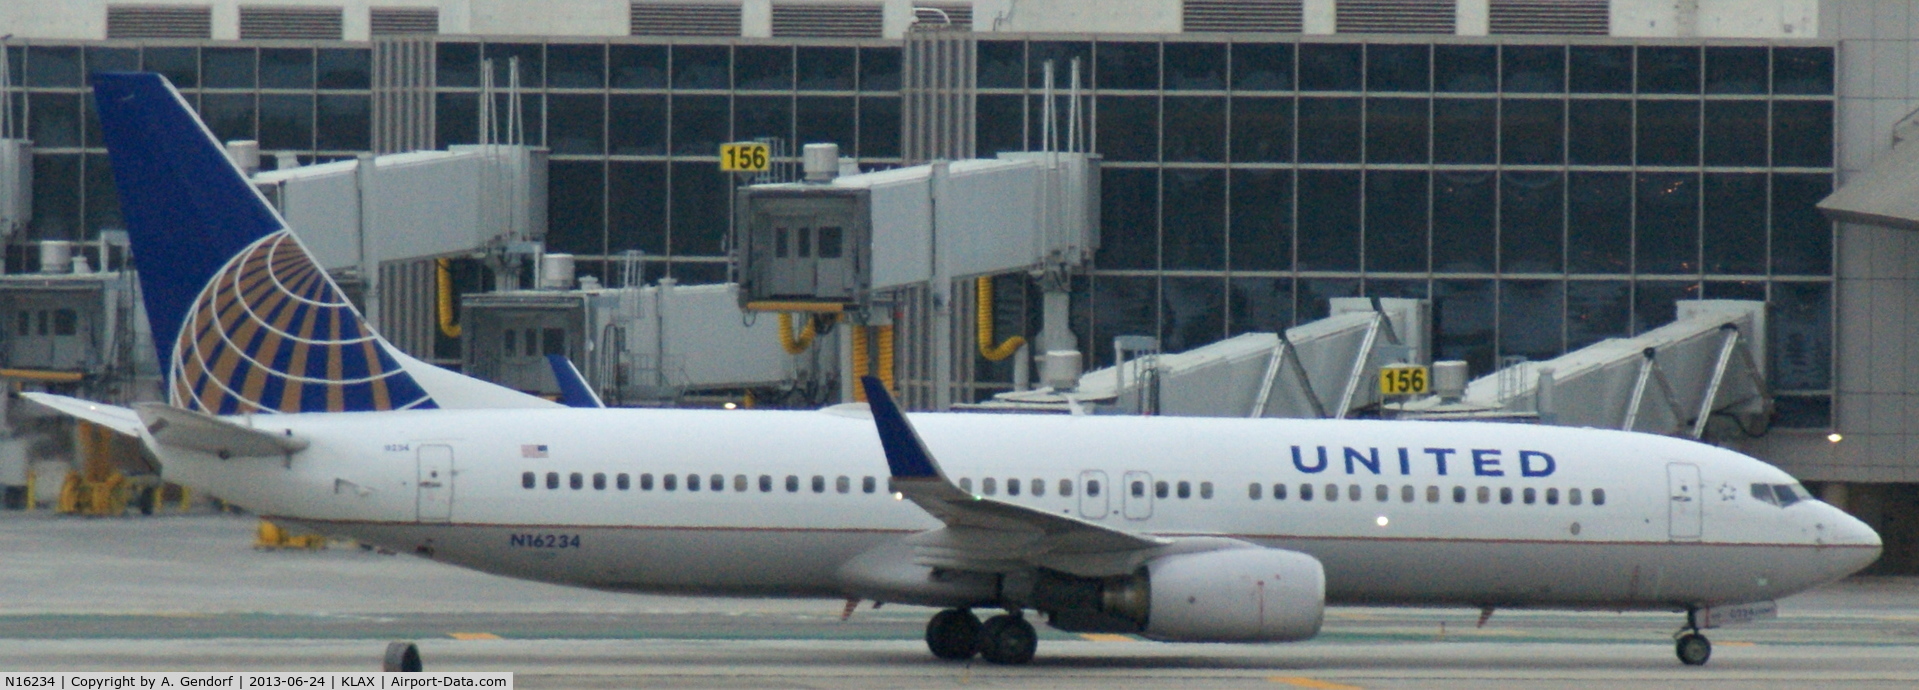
(906, 455)
(573, 389)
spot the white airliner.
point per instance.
(1179, 529)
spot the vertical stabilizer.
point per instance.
(243, 318)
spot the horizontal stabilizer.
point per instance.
(114, 417)
(180, 428)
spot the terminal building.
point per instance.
(1546, 174)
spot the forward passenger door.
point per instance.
(1683, 505)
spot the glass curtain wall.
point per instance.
(1543, 196)
(311, 102)
(635, 130)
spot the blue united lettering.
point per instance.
(1486, 462)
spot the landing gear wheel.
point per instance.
(1007, 639)
(1693, 649)
(401, 657)
(953, 634)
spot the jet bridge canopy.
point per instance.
(1674, 379)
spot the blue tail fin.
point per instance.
(243, 318)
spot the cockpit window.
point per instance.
(1781, 495)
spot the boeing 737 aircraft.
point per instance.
(282, 400)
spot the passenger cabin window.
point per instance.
(1332, 492)
(1530, 496)
(716, 483)
(669, 482)
(966, 484)
(646, 481)
(1382, 493)
(1432, 494)
(1572, 496)
(1459, 494)
(989, 486)
(527, 480)
(792, 484)
(1039, 487)
(1354, 492)
(766, 483)
(842, 484)
(819, 484)
(1279, 492)
(553, 480)
(692, 482)
(575, 480)
(1599, 497)
(1185, 490)
(1139, 489)
(623, 481)
(1092, 488)
(1159, 489)
(1552, 497)
(1012, 487)
(1066, 487)
(1505, 495)
(868, 484)
(599, 481)
(1485, 494)
(1205, 489)
(1406, 493)
(739, 483)
(1305, 492)
(1252, 491)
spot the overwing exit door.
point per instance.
(435, 482)
(1683, 503)
(1138, 499)
(1092, 494)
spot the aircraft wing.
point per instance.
(989, 535)
(114, 417)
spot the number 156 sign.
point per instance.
(746, 156)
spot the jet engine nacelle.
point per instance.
(1237, 595)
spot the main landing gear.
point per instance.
(1692, 647)
(957, 635)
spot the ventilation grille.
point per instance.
(1576, 17)
(683, 19)
(322, 23)
(959, 13)
(1396, 17)
(159, 21)
(1243, 16)
(394, 21)
(836, 21)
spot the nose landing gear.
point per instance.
(1692, 647)
(957, 635)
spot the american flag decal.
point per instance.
(533, 451)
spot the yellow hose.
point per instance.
(886, 357)
(983, 294)
(860, 361)
(447, 327)
(792, 345)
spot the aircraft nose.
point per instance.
(1842, 529)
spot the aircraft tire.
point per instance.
(1007, 640)
(401, 657)
(1693, 649)
(953, 634)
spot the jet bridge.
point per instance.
(1675, 379)
(1322, 369)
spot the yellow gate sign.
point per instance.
(1403, 379)
(745, 156)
